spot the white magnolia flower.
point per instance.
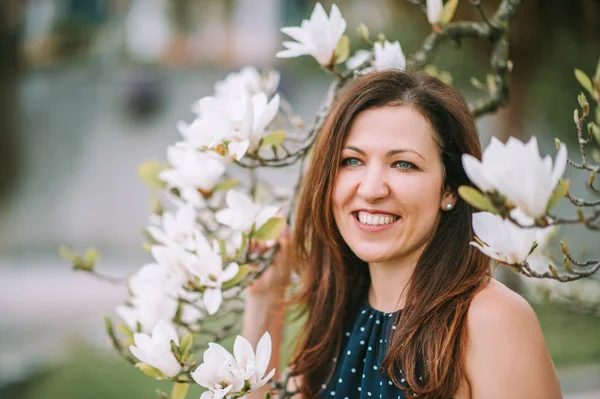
(389, 56)
(318, 36)
(217, 373)
(147, 311)
(223, 373)
(155, 350)
(539, 258)
(253, 366)
(504, 240)
(247, 83)
(518, 172)
(241, 213)
(359, 58)
(154, 290)
(434, 11)
(192, 171)
(208, 267)
(176, 259)
(177, 229)
(241, 120)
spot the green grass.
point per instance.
(572, 340)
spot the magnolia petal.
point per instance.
(243, 351)
(265, 214)
(337, 24)
(202, 244)
(157, 234)
(142, 355)
(230, 272)
(212, 300)
(476, 173)
(263, 354)
(164, 332)
(169, 365)
(128, 314)
(434, 11)
(264, 380)
(491, 253)
(228, 217)
(142, 341)
(296, 33)
(319, 15)
(237, 200)
(237, 149)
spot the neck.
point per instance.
(389, 283)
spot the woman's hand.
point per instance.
(264, 310)
(276, 277)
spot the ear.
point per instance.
(449, 199)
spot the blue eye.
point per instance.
(350, 162)
(404, 165)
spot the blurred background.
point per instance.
(89, 89)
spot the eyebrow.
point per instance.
(389, 153)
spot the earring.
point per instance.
(448, 206)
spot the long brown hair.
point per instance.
(431, 332)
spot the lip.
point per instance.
(379, 227)
(374, 212)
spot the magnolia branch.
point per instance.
(494, 30)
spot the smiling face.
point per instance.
(388, 194)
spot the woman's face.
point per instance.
(388, 195)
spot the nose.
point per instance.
(373, 185)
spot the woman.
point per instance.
(398, 304)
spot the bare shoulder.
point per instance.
(498, 306)
(506, 355)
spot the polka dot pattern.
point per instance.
(357, 371)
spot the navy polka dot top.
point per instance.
(357, 373)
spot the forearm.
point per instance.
(265, 313)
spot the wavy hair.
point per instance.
(431, 334)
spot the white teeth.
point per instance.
(375, 220)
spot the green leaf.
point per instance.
(270, 230)
(431, 70)
(476, 83)
(185, 344)
(273, 139)
(596, 155)
(67, 253)
(448, 12)
(148, 172)
(179, 390)
(151, 371)
(446, 77)
(597, 76)
(584, 81)
(175, 350)
(241, 274)
(477, 199)
(343, 50)
(363, 32)
(91, 256)
(595, 131)
(227, 184)
(557, 143)
(559, 192)
(491, 83)
(583, 102)
(125, 330)
(108, 326)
